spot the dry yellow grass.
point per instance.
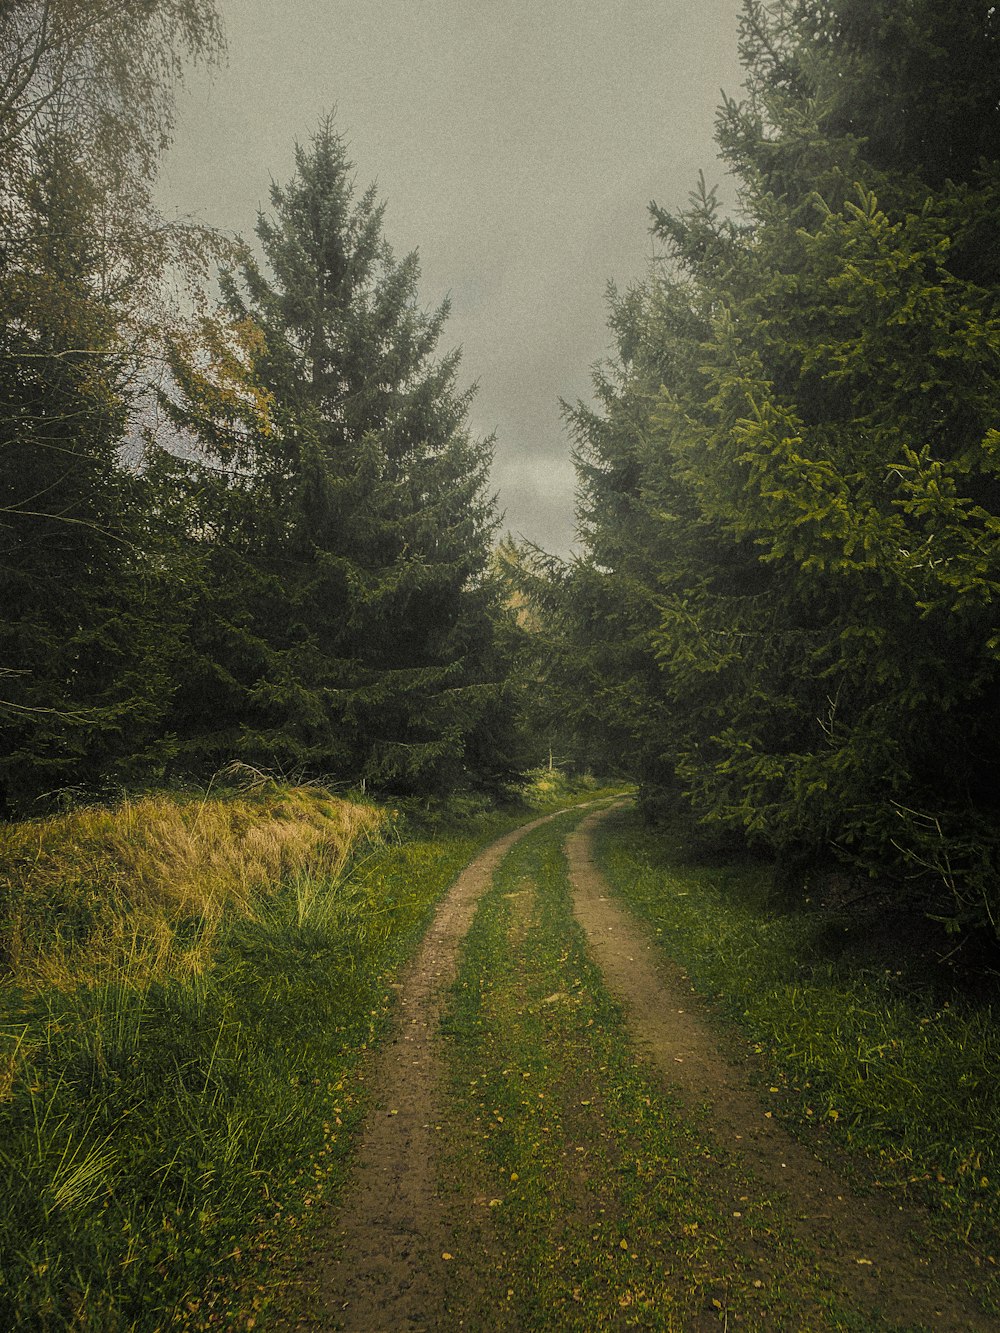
(144, 885)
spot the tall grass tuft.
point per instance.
(144, 886)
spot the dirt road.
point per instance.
(413, 1245)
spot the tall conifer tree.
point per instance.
(802, 440)
(345, 622)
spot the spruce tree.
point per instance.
(344, 622)
(802, 442)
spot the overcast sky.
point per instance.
(517, 144)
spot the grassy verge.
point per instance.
(859, 1041)
(189, 991)
(601, 1208)
(144, 886)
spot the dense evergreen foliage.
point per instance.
(343, 617)
(789, 488)
(299, 578)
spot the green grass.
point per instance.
(548, 788)
(857, 1036)
(165, 1140)
(601, 1206)
(142, 885)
